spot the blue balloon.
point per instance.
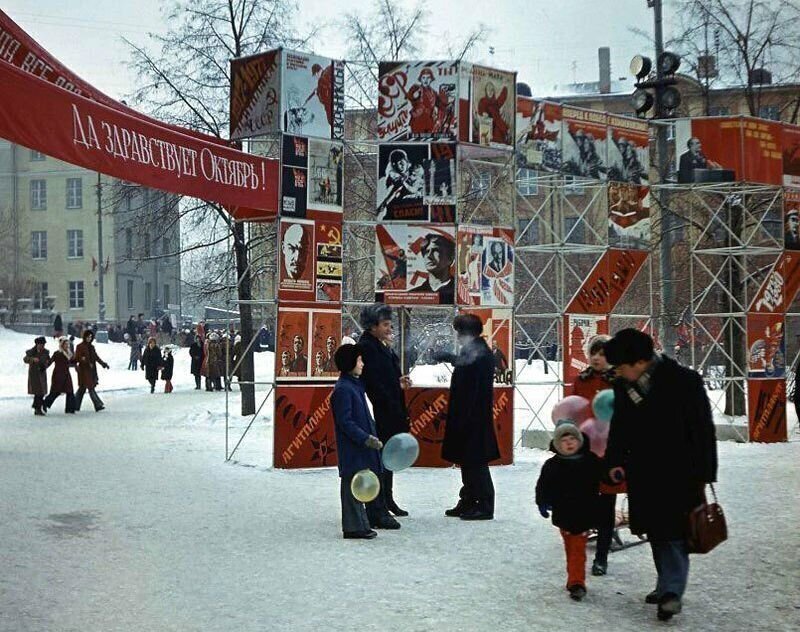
(603, 405)
(400, 452)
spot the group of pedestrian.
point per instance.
(154, 360)
(661, 443)
(83, 359)
(661, 447)
(215, 358)
(371, 369)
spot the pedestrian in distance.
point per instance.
(58, 326)
(151, 362)
(87, 360)
(167, 364)
(598, 376)
(38, 359)
(662, 441)
(356, 440)
(385, 385)
(568, 488)
(61, 381)
(196, 353)
(469, 436)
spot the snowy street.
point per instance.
(130, 519)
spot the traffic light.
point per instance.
(662, 86)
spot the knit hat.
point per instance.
(566, 427)
(346, 356)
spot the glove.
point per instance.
(373, 443)
(105, 366)
(616, 474)
(545, 510)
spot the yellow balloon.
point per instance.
(365, 486)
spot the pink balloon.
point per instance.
(598, 435)
(573, 407)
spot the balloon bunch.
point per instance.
(593, 418)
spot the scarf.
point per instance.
(639, 389)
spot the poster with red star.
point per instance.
(303, 432)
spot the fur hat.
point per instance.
(595, 344)
(566, 427)
(628, 346)
(346, 356)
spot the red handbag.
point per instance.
(707, 526)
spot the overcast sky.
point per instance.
(547, 43)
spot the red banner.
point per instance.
(767, 410)
(85, 133)
(303, 432)
(607, 282)
(21, 51)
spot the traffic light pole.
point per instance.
(666, 332)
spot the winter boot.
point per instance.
(459, 509)
(577, 592)
(668, 606)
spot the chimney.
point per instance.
(604, 57)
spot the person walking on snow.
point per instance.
(87, 360)
(37, 358)
(167, 365)
(568, 487)
(151, 362)
(196, 353)
(61, 382)
(662, 441)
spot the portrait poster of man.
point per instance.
(538, 135)
(485, 266)
(294, 180)
(791, 220)
(790, 148)
(326, 332)
(584, 148)
(296, 269)
(325, 173)
(766, 356)
(292, 344)
(628, 150)
(708, 144)
(307, 94)
(401, 182)
(418, 101)
(493, 106)
(255, 95)
(628, 216)
(415, 264)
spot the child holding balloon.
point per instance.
(357, 443)
(567, 487)
(595, 378)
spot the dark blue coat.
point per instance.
(353, 425)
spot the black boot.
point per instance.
(459, 509)
(668, 606)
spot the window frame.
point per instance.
(77, 294)
(41, 200)
(73, 205)
(41, 241)
(78, 252)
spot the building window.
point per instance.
(76, 295)
(719, 110)
(39, 244)
(37, 156)
(526, 182)
(528, 233)
(572, 185)
(128, 243)
(74, 193)
(40, 296)
(165, 246)
(74, 244)
(147, 244)
(574, 232)
(770, 112)
(130, 294)
(38, 195)
(148, 295)
(166, 296)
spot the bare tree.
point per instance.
(184, 79)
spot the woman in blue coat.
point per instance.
(357, 445)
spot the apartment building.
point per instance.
(52, 257)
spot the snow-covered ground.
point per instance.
(131, 520)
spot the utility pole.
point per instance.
(101, 308)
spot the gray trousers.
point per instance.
(354, 514)
(98, 403)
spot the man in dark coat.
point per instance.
(152, 362)
(662, 441)
(196, 354)
(87, 360)
(356, 443)
(37, 358)
(469, 436)
(384, 382)
(58, 326)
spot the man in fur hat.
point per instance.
(38, 359)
